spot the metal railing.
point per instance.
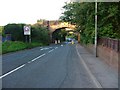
(110, 43)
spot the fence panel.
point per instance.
(110, 43)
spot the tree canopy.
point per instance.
(83, 15)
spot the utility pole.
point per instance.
(96, 28)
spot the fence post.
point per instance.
(118, 45)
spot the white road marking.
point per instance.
(50, 50)
(56, 47)
(21, 66)
(12, 71)
(44, 48)
(95, 81)
(29, 61)
(38, 57)
(61, 45)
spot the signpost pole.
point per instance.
(29, 38)
(26, 38)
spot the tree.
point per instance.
(83, 15)
(2, 30)
(40, 34)
(16, 31)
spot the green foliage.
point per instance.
(83, 15)
(38, 33)
(10, 46)
(2, 30)
(16, 31)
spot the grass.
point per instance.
(11, 46)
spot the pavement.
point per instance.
(105, 75)
(56, 66)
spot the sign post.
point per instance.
(27, 32)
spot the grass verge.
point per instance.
(11, 46)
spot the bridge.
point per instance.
(57, 25)
(62, 25)
(54, 25)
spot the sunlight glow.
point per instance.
(29, 11)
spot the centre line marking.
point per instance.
(12, 71)
(62, 45)
(29, 61)
(56, 47)
(50, 50)
(44, 49)
(21, 66)
(38, 57)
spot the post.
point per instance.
(26, 38)
(96, 28)
(29, 38)
(78, 37)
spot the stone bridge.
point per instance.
(57, 25)
(61, 25)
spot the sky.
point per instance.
(29, 11)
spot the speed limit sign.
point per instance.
(27, 30)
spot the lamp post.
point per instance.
(96, 28)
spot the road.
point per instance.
(54, 66)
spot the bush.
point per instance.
(38, 33)
(16, 31)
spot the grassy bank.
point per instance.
(17, 46)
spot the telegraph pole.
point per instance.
(96, 28)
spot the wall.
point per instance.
(109, 56)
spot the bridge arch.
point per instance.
(53, 28)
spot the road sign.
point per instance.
(27, 30)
